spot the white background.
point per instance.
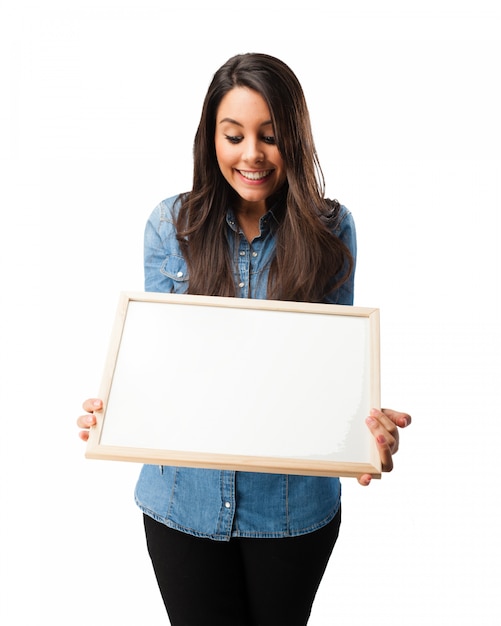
(100, 102)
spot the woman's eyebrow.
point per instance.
(232, 121)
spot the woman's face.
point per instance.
(245, 147)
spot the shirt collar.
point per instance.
(266, 222)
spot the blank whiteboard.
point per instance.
(243, 384)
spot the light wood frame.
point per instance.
(190, 379)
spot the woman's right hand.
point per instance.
(89, 419)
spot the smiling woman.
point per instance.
(254, 155)
(247, 154)
(238, 547)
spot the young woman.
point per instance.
(242, 548)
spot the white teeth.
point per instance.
(255, 175)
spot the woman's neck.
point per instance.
(248, 215)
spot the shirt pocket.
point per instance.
(176, 269)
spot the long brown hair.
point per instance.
(308, 255)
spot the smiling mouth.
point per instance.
(255, 175)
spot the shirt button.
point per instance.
(254, 254)
(242, 252)
(227, 505)
(179, 274)
(241, 284)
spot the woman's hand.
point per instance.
(89, 419)
(384, 426)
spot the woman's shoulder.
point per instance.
(160, 230)
(339, 217)
(167, 210)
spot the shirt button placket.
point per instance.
(252, 269)
(228, 500)
(243, 265)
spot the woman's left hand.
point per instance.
(384, 426)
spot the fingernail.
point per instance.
(96, 403)
(370, 420)
(89, 420)
(381, 439)
(374, 412)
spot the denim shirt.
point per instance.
(220, 504)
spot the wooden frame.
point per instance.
(232, 383)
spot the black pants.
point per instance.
(243, 582)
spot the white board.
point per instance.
(233, 383)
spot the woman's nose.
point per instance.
(253, 152)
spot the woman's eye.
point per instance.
(270, 140)
(233, 139)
